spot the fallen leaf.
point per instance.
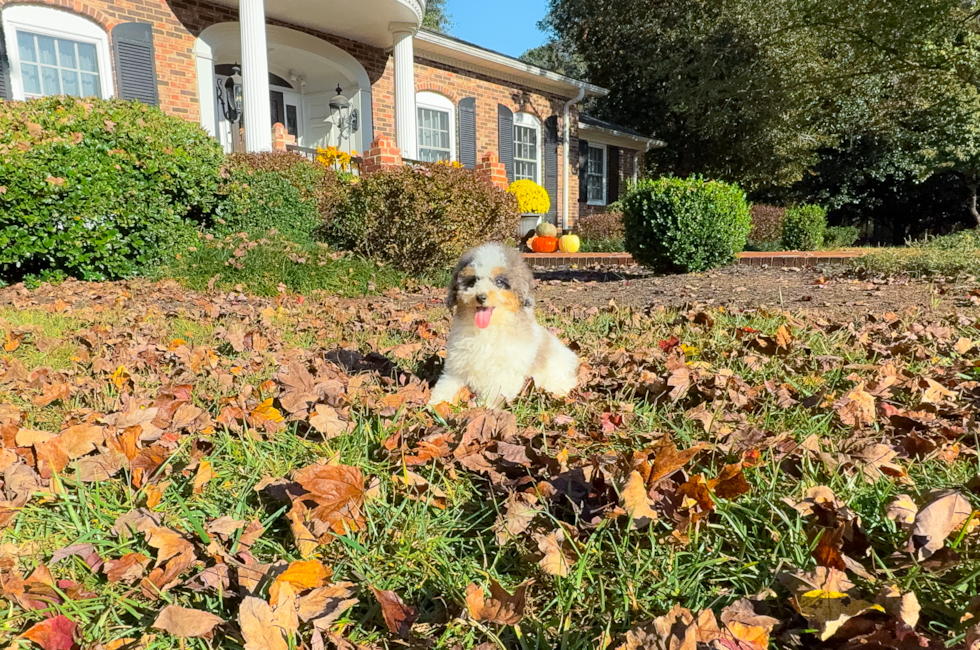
(398, 616)
(554, 562)
(902, 510)
(258, 626)
(636, 503)
(945, 512)
(204, 474)
(501, 608)
(904, 607)
(57, 633)
(302, 575)
(184, 623)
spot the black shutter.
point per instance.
(612, 174)
(4, 70)
(136, 70)
(467, 132)
(551, 165)
(583, 171)
(505, 139)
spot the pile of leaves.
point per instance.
(262, 472)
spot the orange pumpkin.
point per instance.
(544, 244)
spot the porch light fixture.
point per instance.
(343, 115)
(230, 95)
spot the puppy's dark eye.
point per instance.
(467, 282)
(502, 282)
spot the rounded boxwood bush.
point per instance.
(803, 227)
(675, 224)
(98, 189)
(421, 218)
(841, 236)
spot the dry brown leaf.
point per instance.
(302, 575)
(675, 630)
(945, 511)
(204, 474)
(667, 460)
(259, 627)
(902, 510)
(338, 491)
(398, 616)
(501, 608)
(857, 407)
(184, 623)
(555, 561)
(904, 607)
(326, 420)
(821, 596)
(730, 482)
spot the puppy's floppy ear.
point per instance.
(521, 278)
(451, 298)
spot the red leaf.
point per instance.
(56, 633)
(669, 344)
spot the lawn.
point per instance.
(194, 469)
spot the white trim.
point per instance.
(435, 46)
(49, 21)
(530, 121)
(436, 102)
(605, 174)
(616, 138)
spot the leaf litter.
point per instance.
(137, 404)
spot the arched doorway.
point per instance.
(304, 73)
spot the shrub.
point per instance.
(98, 189)
(421, 218)
(803, 227)
(531, 197)
(963, 240)
(767, 224)
(840, 236)
(685, 225)
(602, 233)
(281, 191)
(265, 266)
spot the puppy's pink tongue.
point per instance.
(483, 315)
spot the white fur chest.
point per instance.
(491, 358)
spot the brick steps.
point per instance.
(777, 259)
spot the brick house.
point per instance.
(404, 90)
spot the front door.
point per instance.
(286, 108)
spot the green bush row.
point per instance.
(104, 189)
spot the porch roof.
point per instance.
(454, 51)
(621, 134)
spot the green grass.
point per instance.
(618, 577)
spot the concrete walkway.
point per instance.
(753, 258)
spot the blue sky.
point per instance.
(506, 26)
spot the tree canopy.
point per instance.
(437, 18)
(759, 93)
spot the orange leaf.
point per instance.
(56, 633)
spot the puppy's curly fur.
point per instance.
(495, 342)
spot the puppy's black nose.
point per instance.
(481, 298)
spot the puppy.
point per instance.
(495, 343)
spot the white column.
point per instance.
(255, 75)
(406, 130)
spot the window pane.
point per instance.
(90, 85)
(69, 82)
(25, 43)
(66, 54)
(49, 81)
(46, 50)
(86, 58)
(32, 80)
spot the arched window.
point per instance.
(527, 147)
(54, 52)
(437, 127)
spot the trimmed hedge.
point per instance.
(675, 224)
(421, 218)
(841, 236)
(98, 189)
(803, 227)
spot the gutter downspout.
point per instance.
(566, 137)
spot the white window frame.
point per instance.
(436, 102)
(605, 173)
(529, 121)
(48, 21)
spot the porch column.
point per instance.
(406, 132)
(255, 76)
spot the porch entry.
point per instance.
(304, 74)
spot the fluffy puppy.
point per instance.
(495, 343)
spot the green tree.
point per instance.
(557, 56)
(437, 18)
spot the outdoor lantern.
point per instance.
(343, 115)
(230, 95)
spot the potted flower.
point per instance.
(533, 202)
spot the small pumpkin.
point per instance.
(546, 229)
(544, 244)
(569, 243)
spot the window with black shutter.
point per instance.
(467, 132)
(136, 72)
(551, 164)
(4, 70)
(583, 171)
(612, 174)
(505, 139)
